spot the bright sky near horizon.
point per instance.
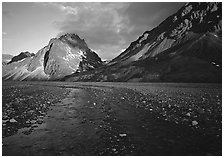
(108, 28)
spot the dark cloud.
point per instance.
(152, 14)
(94, 29)
(145, 16)
(110, 27)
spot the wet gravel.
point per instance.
(121, 120)
(25, 106)
(178, 124)
(198, 108)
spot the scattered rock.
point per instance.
(194, 123)
(123, 135)
(33, 121)
(34, 126)
(12, 120)
(4, 121)
(114, 149)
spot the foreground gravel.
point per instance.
(111, 119)
(26, 106)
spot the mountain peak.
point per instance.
(71, 35)
(27, 53)
(74, 40)
(21, 56)
(61, 57)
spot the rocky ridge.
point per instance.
(21, 56)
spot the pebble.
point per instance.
(194, 123)
(33, 121)
(31, 111)
(12, 120)
(123, 135)
(39, 121)
(114, 149)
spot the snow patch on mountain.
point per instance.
(145, 36)
(140, 53)
(62, 56)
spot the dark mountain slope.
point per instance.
(186, 47)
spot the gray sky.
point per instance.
(108, 28)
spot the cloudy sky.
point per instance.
(108, 28)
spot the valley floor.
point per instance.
(62, 118)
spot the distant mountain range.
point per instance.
(185, 47)
(6, 58)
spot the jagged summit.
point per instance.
(74, 40)
(72, 36)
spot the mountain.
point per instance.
(61, 57)
(6, 58)
(21, 56)
(185, 47)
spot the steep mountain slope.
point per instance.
(62, 56)
(6, 58)
(185, 47)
